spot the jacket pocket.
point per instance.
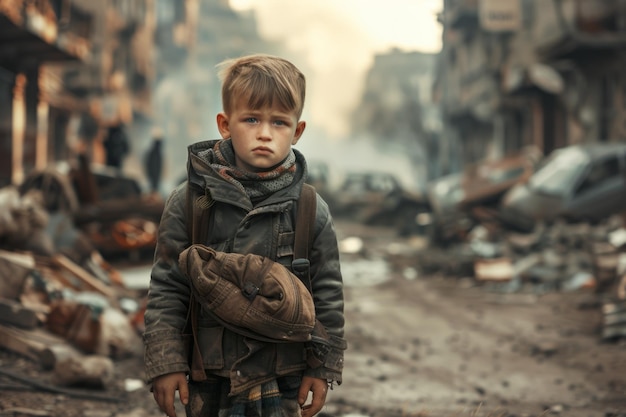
(210, 342)
(284, 248)
(290, 357)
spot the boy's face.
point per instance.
(262, 138)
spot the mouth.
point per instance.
(262, 150)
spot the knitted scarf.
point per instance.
(256, 185)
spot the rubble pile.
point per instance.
(62, 304)
(560, 256)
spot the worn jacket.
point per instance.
(239, 226)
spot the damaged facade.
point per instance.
(544, 75)
(518, 73)
(69, 69)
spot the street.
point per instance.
(442, 346)
(420, 346)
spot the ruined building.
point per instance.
(532, 72)
(32, 35)
(68, 70)
(396, 109)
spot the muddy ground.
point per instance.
(419, 346)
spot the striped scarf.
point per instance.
(256, 185)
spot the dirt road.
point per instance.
(440, 346)
(423, 346)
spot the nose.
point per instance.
(264, 132)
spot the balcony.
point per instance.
(30, 35)
(579, 26)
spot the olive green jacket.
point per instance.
(238, 226)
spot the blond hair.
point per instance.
(263, 80)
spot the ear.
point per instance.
(223, 125)
(299, 131)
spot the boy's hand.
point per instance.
(318, 387)
(164, 390)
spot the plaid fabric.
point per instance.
(264, 400)
(271, 399)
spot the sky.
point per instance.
(337, 40)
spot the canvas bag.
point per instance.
(250, 294)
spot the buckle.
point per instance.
(249, 290)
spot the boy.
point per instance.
(254, 179)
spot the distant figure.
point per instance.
(153, 161)
(116, 146)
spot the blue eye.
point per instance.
(250, 120)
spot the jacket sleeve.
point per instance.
(168, 297)
(327, 288)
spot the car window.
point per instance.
(598, 173)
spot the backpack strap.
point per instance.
(198, 216)
(305, 221)
(304, 234)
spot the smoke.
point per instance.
(334, 43)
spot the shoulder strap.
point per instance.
(305, 221)
(198, 215)
(304, 234)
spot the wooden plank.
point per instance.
(84, 276)
(18, 341)
(37, 344)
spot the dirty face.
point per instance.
(262, 138)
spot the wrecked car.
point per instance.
(453, 197)
(584, 182)
(379, 199)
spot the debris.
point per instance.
(580, 280)
(14, 313)
(14, 269)
(351, 245)
(499, 269)
(614, 320)
(42, 386)
(92, 371)
(618, 238)
(78, 323)
(85, 278)
(131, 384)
(36, 344)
